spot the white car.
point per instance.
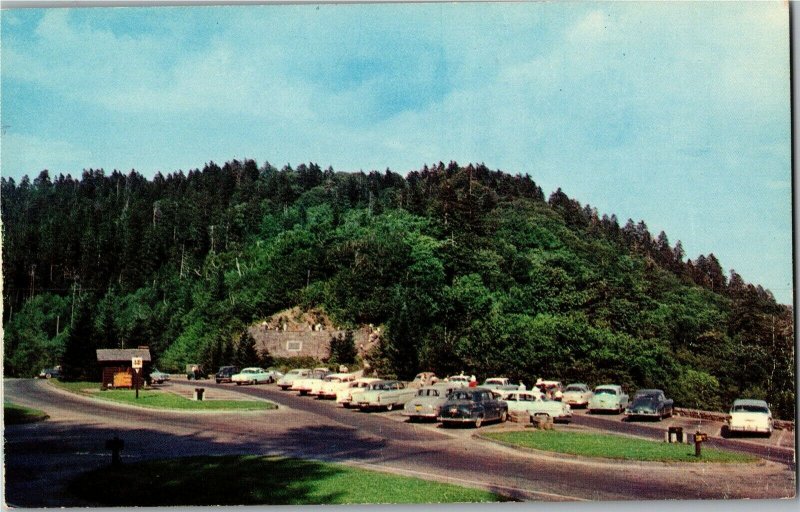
(577, 395)
(748, 415)
(428, 401)
(330, 385)
(385, 394)
(537, 405)
(304, 384)
(496, 383)
(459, 380)
(608, 397)
(349, 396)
(286, 381)
(552, 388)
(253, 375)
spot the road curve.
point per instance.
(41, 458)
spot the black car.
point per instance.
(649, 403)
(50, 373)
(472, 405)
(225, 373)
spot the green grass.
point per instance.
(258, 480)
(160, 399)
(15, 414)
(611, 446)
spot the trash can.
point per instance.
(676, 434)
(198, 393)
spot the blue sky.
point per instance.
(675, 113)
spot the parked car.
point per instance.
(747, 415)
(304, 384)
(385, 394)
(497, 382)
(649, 403)
(158, 377)
(195, 372)
(327, 387)
(349, 396)
(608, 397)
(50, 373)
(424, 379)
(551, 388)
(537, 405)
(577, 395)
(286, 381)
(225, 373)
(461, 380)
(428, 400)
(472, 405)
(253, 375)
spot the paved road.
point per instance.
(41, 458)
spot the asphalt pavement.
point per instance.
(42, 458)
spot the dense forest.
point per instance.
(464, 267)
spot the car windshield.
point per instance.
(578, 389)
(605, 391)
(750, 408)
(493, 381)
(296, 372)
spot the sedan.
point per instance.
(577, 395)
(749, 416)
(428, 401)
(649, 403)
(385, 394)
(253, 375)
(537, 405)
(158, 377)
(608, 397)
(472, 405)
(50, 373)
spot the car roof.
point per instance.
(648, 392)
(578, 384)
(609, 386)
(750, 401)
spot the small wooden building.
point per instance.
(117, 366)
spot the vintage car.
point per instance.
(577, 395)
(649, 403)
(385, 394)
(747, 415)
(225, 373)
(349, 395)
(304, 384)
(330, 385)
(286, 381)
(50, 373)
(537, 405)
(428, 400)
(253, 375)
(608, 397)
(460, 380)
(551, 388)
(497, 383)
(423, 379)
(472, 405)
(158, 377)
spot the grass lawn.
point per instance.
(15, 414)
(160, 399)
(611, 446)
(258, 480)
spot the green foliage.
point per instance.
(342, 349)
(464, 268)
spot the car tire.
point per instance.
(478, 422)
(503, 416)
(238, 383)
(48, 376)
(389, 407)
(218, 381)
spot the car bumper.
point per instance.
(457, 419)
(750, 428)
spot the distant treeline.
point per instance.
(466, 268)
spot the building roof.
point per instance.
(113, 355)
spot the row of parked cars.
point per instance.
(459, 398)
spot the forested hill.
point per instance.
(466, 268)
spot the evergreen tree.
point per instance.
(342, 348)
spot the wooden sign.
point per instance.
(136, 362)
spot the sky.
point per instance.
(673, 113)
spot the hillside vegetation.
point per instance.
(465, 268)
